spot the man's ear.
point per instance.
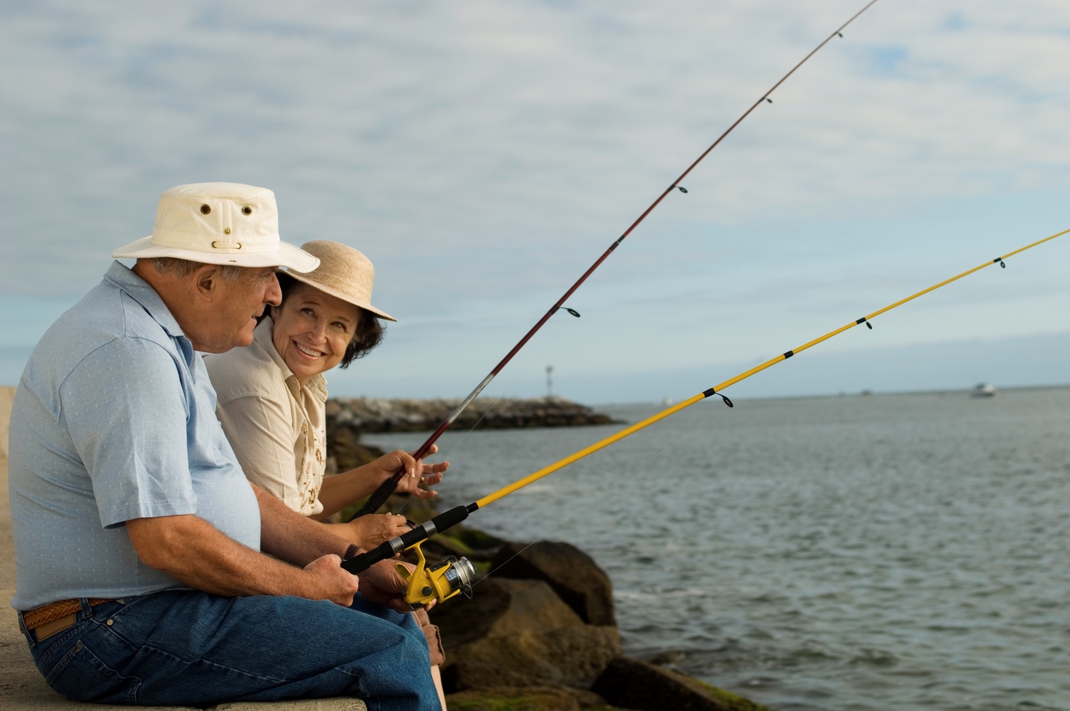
(206, 280)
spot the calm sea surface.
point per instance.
(882, 552)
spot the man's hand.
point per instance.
(417, 474)
(382, 584)
(329, 581)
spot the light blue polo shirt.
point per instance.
(114, 419)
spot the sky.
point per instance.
(483, 154)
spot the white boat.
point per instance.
(984, 390)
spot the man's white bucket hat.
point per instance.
(219, 223)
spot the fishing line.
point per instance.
(490, 573)
(379, 497)
(435, 582)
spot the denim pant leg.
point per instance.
(191, 648)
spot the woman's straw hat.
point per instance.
(343, 272)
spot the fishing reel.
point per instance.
(438, 582)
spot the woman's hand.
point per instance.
(371, 530)
(417, 473)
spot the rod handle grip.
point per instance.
(379, 496)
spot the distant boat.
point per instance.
(984, 390)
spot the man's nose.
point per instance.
(274, 292)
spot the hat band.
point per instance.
(199, 242)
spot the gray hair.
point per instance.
(184, 267)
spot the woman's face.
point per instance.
(312, 330)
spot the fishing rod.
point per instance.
(381, 494)
(451, 576)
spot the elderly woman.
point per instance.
(271, 395)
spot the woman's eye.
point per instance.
(308, 312)
(340, 326)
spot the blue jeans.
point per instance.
(182, 648)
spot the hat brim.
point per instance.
(289, 256)
(341, 295)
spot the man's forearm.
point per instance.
(291, 537)
(196, 553)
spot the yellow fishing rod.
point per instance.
(451, 576)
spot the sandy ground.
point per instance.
(22, 688)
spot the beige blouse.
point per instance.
(277, 428)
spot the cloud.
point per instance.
(485, 152)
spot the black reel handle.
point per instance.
(359, 563)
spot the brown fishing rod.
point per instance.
(451, 576)
(379, 497)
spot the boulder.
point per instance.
(530, 698)
(533, 698)
(344, 446)
(519, 633)
(572, 574)
(632, 684)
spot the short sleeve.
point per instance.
(125, 408)
(260, 430)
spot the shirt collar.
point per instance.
(317, 384)
(139, 290)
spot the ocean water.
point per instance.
(877, 552)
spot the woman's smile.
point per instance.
(310, 352)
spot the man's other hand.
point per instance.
(329, 581)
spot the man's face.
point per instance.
(234, 309)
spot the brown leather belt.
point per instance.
(55, 617)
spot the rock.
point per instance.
(514, 699)
(633, 684)
(520, 633)
(344, 446)
(572, 574)
(530, 698)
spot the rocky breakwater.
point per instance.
(540, 634)
(365, 414)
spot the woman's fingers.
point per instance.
(406, 461)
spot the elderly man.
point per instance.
(149, 570)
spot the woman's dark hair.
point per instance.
(369, 333)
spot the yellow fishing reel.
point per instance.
(440, 581)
